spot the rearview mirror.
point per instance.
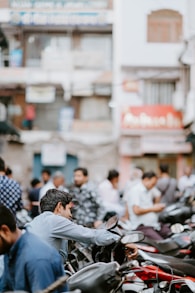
(111, 223)
(132, 237)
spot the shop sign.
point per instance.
(131, 86)
(78, 4)
(58, 18)
(40, 94)
(131, 146)
(53, 154)
(151, 117)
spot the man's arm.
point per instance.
(156, 208)
(64, 228)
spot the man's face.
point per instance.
(150, 182)
(79, 178)
(45, 176)
(4, 244)
(58, 181)
(66, 212)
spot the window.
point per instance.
(94, 51)
(158, 92)
(94, 109)
(164, 26)
(37, 44)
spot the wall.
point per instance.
(135, 49)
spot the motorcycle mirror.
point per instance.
(111, 223)
(177, 228)
(132, 237)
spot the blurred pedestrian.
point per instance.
(10, 190)
(88, 209)
(33, 196)
(109, 192)
(144, 207)
(9, 172)
(167, 185)
(30, 115)
(57, 181)
(45, 175)
(187, 179)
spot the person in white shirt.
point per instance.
(109, 193)
(187, 180)
(57, 182)
(143, 207)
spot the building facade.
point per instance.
(56, 84)
(150, 103)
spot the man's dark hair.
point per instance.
(2, 165)
(7, 218)
(8, 171)
(83, 170)
(164, 168)
(149, 175)
(112, 174)
(34, 182)
(52, 197)
(45, 170)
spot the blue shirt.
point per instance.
(31, 265)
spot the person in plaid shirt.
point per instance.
(10, 191)
(88, 209)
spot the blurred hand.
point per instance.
(131, 251)
(158, 207)
(97, 224)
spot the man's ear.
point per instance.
(4, 229)
(58, 208)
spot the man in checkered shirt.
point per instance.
(10, 191)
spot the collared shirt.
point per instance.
(10, 194)
(88, 207)
(186, 181)
(31, 265)
(142, 197)
(110, 198)
(54, 229)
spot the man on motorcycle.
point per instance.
(54, 224)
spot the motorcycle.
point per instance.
(108, 275)
(180, 211)
(179, 244)
(155, 269)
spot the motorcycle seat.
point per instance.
(163, 246)
(171, 264)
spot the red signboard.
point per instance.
(151, 117)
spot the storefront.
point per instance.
(151, 135)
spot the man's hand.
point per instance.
(158, 207)
(131, 251)
(97, 224)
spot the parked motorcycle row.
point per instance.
(166, 266)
